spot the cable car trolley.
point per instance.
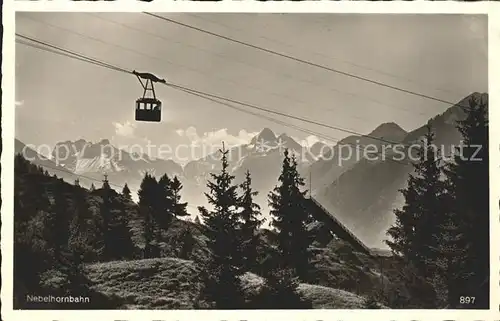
(148, 108)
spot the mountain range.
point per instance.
(361, 192)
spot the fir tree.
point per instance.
(468, 224)
(77, 282)
(417, 231)
(31, 206)
(221, 283)
(290, 218)
(197, 220)
(178, 208)
(147, 193)
(164, 204)
(251, 223)
(82, 224)
(188, 242)
(92, 187)
(116, 236)
(105, 220)
(57, 228)
(126, 193)
(279, 290)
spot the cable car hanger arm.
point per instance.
(148, 76)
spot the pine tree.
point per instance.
(417, 231)
(290, 217)
(147, 194)
(57, 228)
(179, 209)
(105, 220)
(197, 220)
(188, 242)
(92, 187)
(126, 193)
(78, 283)
(222, 286)
(115, 234)
(251, 223)
(468, 226)
(31, 207)
(279, 290)
(82, 223)
(164, 200)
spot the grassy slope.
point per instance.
(169, 283)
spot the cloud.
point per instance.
(216, 137)
(308, 141)
(126, 129)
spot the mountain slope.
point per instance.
(93, 160)
(365, 195)
(342, 156)
(52, 167)
(170, 283)
(263, 157)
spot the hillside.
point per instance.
(340, 277)
(365, 194)
(170, 283)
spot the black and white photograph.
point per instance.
(251, 161)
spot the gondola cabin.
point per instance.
(148, 109)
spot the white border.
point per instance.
(8, 71)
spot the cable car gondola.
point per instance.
(148, 108)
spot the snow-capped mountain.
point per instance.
(96, 159)
(263, 157)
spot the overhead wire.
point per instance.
(201, 93)
(357, 65)
(163, 59)
(72, 54)
(226, 58)
(102, 64)
(300, 60)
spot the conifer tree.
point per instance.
(468, 226)
(92, 187)
(417, 231)
(105, 220)
(197, 220)
(57, 228)
(82, 226)
(280, 289)
(116, 235)
(188, 242)
(77, 282)
(290, 217)
(164, 204)
(31, 206)
(178, 208)
(221, 283)
(250, 223)
(126, 193)
(147, 193)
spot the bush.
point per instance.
(279, 292)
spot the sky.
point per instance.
(60, 99)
